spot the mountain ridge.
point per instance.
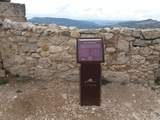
(148, 23)
(93, 24)
(64, 22)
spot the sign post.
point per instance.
(90, 53)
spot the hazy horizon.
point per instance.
(89, 19)
(122, 10)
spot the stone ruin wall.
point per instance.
(49, 52)
(12, 11)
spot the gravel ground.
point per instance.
(59, 100)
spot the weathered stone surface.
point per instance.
(156, 41)
(19, 26)
(145, 51)
(141, 43)
(13, 11)
(115, 76)
(63, 67)
(151, 34)
(44, 63)
(31, 62)
(75, 34)
(108, 35)
(136, 33)
(28, 47)
(55, 49)
(110, 50)
(35, 55)
(21, 70)
(122, 58)
(157, 73)
(123, 45)
(46, 51)
(1, 65)
(70, 75)
(2, 73)
(19, 59)
(126, 38)
(137, 59)
(89, 33)
(155, 114)
(155, 47)
(126, 31)
(39, 29)
(43, 74)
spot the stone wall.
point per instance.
(49, 51)
(13, 11)
(2, 71)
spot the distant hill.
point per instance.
(65, 22)
(149, 23)
(83, 24)
(106, 22)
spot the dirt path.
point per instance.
(59, 100)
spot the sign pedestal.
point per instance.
(90, 84)
(90, 53)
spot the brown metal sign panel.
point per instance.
(90, 50)
(90, 76)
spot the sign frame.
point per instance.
(90, 39)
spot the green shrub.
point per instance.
(3, 81)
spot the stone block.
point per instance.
(12, 11)
(1, 65)
(31, 62)
(2, 73)
(44, 63)
(28, 47)
(122, 58)
(137, 59)
(123, 45)
(43, 74)
(35, 55)
(156, 41)
(21, 70)
(126, 31)
(150, 34)
(110, 50)
(75, 34)
(108, 35)
(116, 76)
(55, 49)
(19, 59)
(141, 43)
(136, 34)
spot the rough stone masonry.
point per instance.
(49, 52)
(12, 11)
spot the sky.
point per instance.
(93, 9)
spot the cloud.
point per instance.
(94, 9)
(63, 8)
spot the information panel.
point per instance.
(90, 50)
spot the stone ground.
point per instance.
(28, 99)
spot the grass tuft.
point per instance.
(3, 81)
